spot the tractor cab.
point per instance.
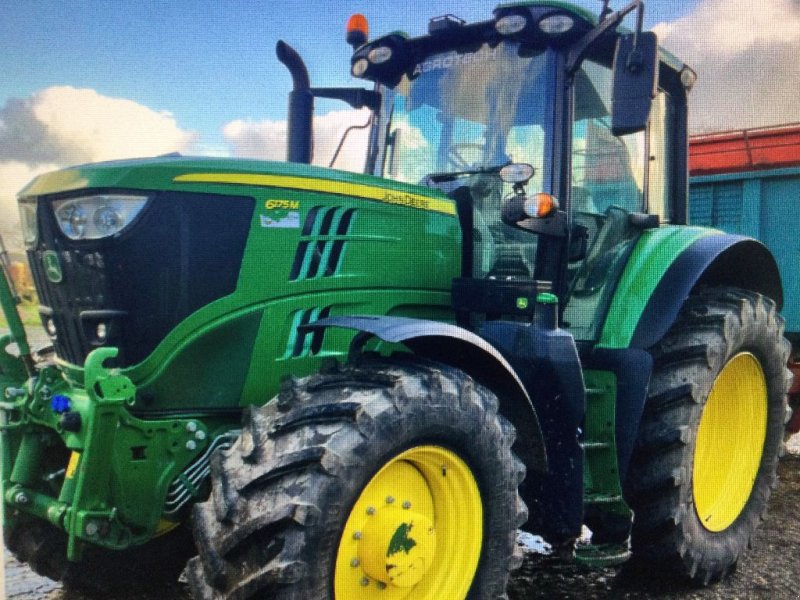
(594, 118)
(561, 140)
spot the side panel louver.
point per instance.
(320, 251)
(305, 343)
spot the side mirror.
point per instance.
(635, 82)
(517, 173)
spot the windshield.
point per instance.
(467, 111)
(470, 113)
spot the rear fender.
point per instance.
(463, 350)
(652, 291)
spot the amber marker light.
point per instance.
(540, 205)
(357, 30)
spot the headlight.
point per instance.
(379, 55)
(360, 67)
(510, 24)
(556, 24)
(27, 216)
(94, 217)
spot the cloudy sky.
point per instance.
(90, 80)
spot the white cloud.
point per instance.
(267, 139)
(62, 126)
(256, 139)
(14, 175)
(746, 56)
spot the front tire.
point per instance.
(390, 479)
(710, 436)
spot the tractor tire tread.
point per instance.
(261, 532)
(713, 325)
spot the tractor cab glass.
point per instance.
(612, 178)
(457, 118)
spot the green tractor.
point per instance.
(361, 385)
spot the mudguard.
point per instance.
(655, 284)
(463, 350)
(637, 321)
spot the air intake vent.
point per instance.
(320, 251)
(305, 343)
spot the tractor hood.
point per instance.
(178, 172)
(218, 247)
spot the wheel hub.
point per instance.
(730, 442)
(414, 532)
(397, 547)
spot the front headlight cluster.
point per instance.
(99, 216)
(376, 56)
(27, 216)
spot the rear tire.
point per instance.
(710, 436)
(295, 501)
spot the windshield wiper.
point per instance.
(444, 177)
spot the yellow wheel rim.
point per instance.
(415, 531)
(730, 442)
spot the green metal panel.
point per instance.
(601, 478)
(656, 250)
(320, 240)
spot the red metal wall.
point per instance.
(745, 150)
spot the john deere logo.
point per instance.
(52, 266)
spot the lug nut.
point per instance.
(357, 535)
(355, 562)
(200, 435)
(21, 498)
(389, 499)
(371, 511)
(364, 581)
(381, 585)
(191, 427)
(406, 504)
(191, 445)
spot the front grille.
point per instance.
(183, 252)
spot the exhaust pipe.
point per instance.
(300, 138)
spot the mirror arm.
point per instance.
(581, 47)
(635, 60)
(606, 10)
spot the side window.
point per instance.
(660, 164)
(606, 170)
(608, 183)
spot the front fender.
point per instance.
(667, 265)
(463, 350)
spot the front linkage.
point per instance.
(75, 457)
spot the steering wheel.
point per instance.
(458, 155)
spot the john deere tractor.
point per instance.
(361, 385)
